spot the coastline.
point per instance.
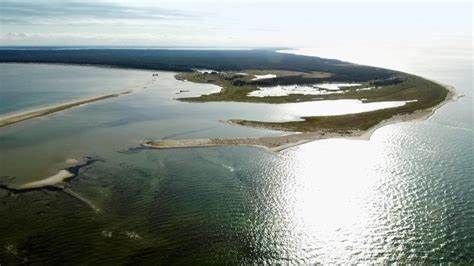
(281, 143)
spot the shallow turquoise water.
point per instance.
(117, 124)
(407, 195)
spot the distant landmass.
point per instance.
(187, 60)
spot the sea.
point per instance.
(406, 195)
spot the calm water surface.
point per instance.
(114, 125)
(27, 86)
(407, 195)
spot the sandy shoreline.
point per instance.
(280, 143)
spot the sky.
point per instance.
(233, 23)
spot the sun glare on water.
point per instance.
(337, 200)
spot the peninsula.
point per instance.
(421, 97)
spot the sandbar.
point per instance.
(22, 116)
(10, 119)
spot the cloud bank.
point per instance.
(55, 12)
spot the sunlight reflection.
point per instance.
(337, 199)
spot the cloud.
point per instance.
(71, 38)
(14, 35)
(74, 12)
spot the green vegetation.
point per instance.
(422, 94)
(236, 86)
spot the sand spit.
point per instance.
(196, 143)
(280, 143)
(274, 144)
(19, 117)
(59, 179)
(53, 181)
(22, 116)
(57, 182)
